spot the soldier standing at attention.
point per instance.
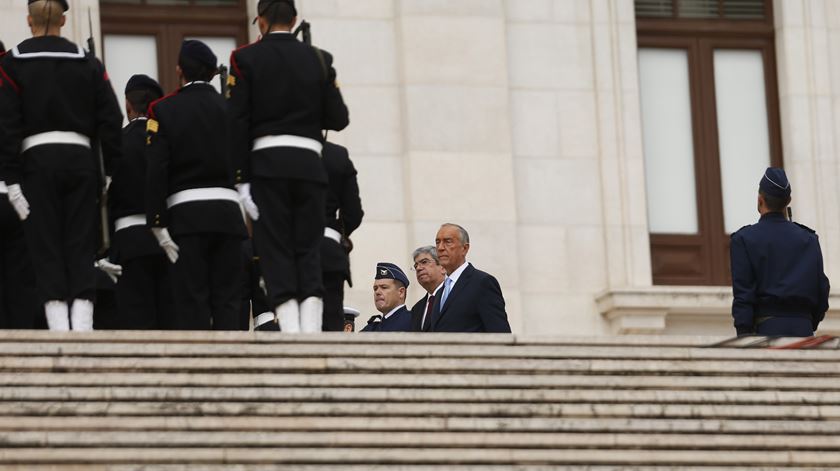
(283, 93)
(55, 100)
(777, 269)
(19, 306)
(344, 215)
(191, 205)
(144, 292)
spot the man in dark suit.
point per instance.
(283, 93)
(389, 287)
(190, 194)
(430, 275)
(778, 282)
(470, 300)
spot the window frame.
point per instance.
(170, 24)
(703, 258)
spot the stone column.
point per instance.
(808, 57)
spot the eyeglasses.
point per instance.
(424, 262)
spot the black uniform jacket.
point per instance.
(777, 271)
(126, 197)
(344, 207)
(399, 321)
(50, 84)
(281, 86)
(475, 304)
(186, 149)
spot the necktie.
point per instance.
(446, 289)
(427, 314)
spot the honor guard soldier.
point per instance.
(144, 292)
(191, 203)
(344, 215)
(19, 306)
(283, 93)
(55, 101)
(389, 290)
(778, 282)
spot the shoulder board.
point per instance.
(739, 230)
(803, 226)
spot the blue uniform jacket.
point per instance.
(777, 271)
(399, 321)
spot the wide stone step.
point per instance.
(528, 440)
(381, 395)
(420, 365)
(339, 455)
(423, 424)
(415, 409)
(472, 380)
(362, 350)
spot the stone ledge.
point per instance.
(647, 310)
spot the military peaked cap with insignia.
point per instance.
(199, 52)
(775, 183)
(143, 82)
(62, 2)
(389, 271)
(263, 5)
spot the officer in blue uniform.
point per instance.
(389, 288)
(778, 282)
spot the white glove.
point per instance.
(166, 242)
(113, 270)
(18, 201)
(244, 190)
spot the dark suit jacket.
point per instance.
(475, 304)
(417, 314)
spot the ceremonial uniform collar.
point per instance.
(47, 46)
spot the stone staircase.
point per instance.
(259, 401)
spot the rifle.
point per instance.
(223, 80)
(97, 148)
(304, 28)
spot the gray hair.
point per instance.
(426, 249)
(464, 236)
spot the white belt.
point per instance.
(129, 221)
(55, 137)
(287, 140)
(3, 188)
(333, 234)
(202, 194)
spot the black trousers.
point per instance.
(144, 294)
(206, 282)
(333, 320)
(61, 228)
(20, 306)
(287, 237)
